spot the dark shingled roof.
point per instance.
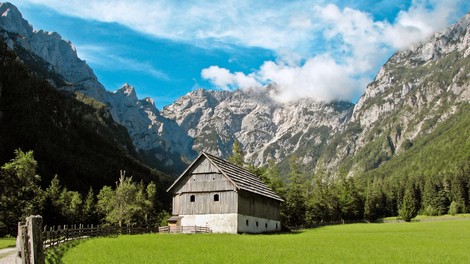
(243, 179)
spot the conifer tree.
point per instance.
(295, 206)
(408, 208)
(273, 178)
(238, 156)
(89, 208)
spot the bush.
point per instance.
(454, 208)
(431, 211)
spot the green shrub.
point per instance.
(454, 208)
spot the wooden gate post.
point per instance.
(36, 252)
(22, 244)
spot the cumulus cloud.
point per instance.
(226, 80)
(419, 22)
(324, 51)
(320, 77)
(356, 46)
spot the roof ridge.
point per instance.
(244, 179)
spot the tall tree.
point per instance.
(273, 178)
(128, 204)
(410, 205)
(295, 205)
(374, 201)
(238, 156)
(104, 204)
(350, 201)
(20, 194)
(71, 206)
(89, 208)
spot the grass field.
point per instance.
(420, 242)
(7, 242)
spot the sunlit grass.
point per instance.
(7, 242)
(431, 218)
(421, 242)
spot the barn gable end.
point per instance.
(224, 197)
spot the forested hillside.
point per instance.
(71, 135)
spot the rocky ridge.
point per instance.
(265, 129)
(201, 120)
(415, 90)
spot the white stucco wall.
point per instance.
(218, 223)
(250, 224)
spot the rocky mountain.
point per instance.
(264, 128)
(156, 138)
(72, 136)
(201, 120)
(415, 91)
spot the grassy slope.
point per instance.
(430, 242)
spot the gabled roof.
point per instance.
(240, 177)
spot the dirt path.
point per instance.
(7, 256)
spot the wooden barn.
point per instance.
(226, 198)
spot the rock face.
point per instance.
(49, 46)
(265, 129)
(59, 56)
(200, 120)
(414, 91)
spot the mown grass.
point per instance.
(420, 242)
(423, 218)
(7, 242)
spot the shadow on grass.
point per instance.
(54, 255)
(12, 245)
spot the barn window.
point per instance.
(266, 225)
(257, 223)
(192, 198)
(247, 222)
(216, 197)
(276, 225)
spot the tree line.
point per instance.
(127, 203)
(317, 198)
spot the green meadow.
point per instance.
(419, 242)
(7, 242)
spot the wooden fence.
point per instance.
(33, 239)
(56, 235)
(184, 229)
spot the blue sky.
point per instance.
(326, 50)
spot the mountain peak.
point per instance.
(11, 20)
(128, 90)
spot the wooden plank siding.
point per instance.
(258, 206)
(204, 181)
(242, 198)
(204, 203)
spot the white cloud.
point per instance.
(357, 47)
(324, 51)
(419, 22)
(226, 80)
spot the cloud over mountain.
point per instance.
(325, 50)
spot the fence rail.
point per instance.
(56, 235)
(184, 229)
(33, 239)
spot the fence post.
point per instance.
(22, 244)
(34, 228)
